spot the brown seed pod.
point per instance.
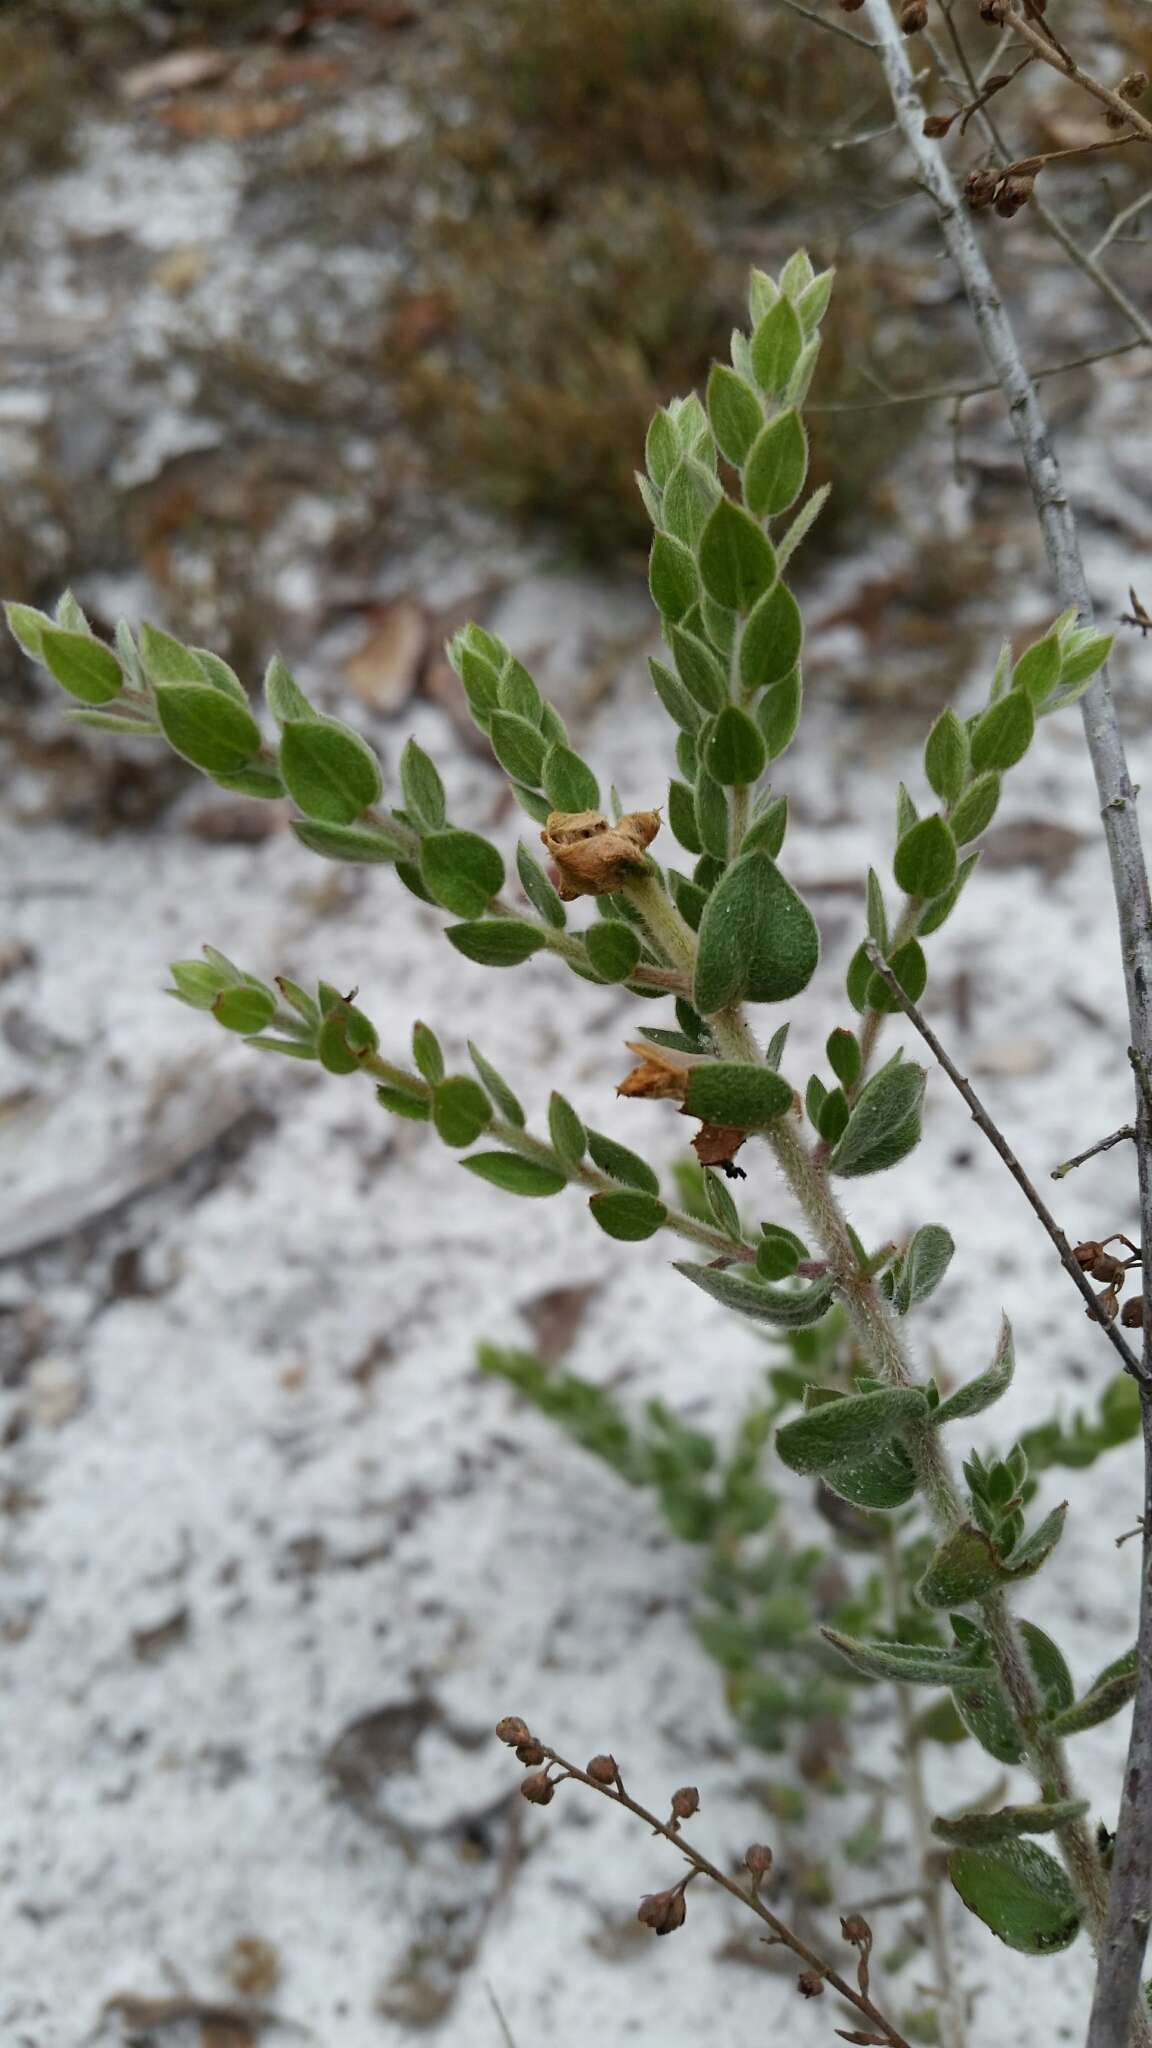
(1107, 1304)
(1015, 192)
(531, 1752)
(810, 1984)
(663, 1912)
(513, 1731)
(938, 124)
(685, 1802)
(850, 6)
(1132, 1314)
(855, 1929)
(758, 1859)
(538, 1789)
(995, 12)
(914, 16)
(980, 188)
(604, 1770)
(592, 857)
(1133, 85)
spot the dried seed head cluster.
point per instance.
(1094, 1259)
(594, 858)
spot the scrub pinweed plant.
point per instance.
(720, 931)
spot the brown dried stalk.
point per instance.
(664, 1911)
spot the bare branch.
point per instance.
(1051, 53)
(1101, 1145)
(940, 391)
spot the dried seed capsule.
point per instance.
(994, 11)
(1133, 85)
(980, 188)
(538, 1789)
(685, 1802)
(855, 1929)
(758, 1859)
(1086, 1254)
(531, 1752)
(938, 124)
(1132, 1314)
(914, 16)
(663, 1912)
(513, 1731)
(1015, 192)
(604, 1770)
(810, 1984)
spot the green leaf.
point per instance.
(613, 949)
(812, 303)
(699, 670)
(981, 1392)
(735, 412)
(877, 915)
(941, 907)
(885, 1122)
(427, 1053)
(779, 1252)
(515, 1176)
(976, 808)
(721, 1207)
(846, 1431)
(682, 816)
(628, 1215)
(925, 863)
(370, 844)
(1084, 652)
(462, 871)
(672, 577)
(127, 724)
(1002, 735)
(711, 816)
(518, 694)
(460, 1110)
(539, 890)
(735, 753)
(766, 832)
(906, 812)
(26, 626)
(776, 346)
(244, 1010)
(799, 527)
(424, 799)
(569, 1138)
(165, 660)
(498, 1089)
(1020, 1892)
(495, 941)
(283, 695)
(329, 771)
(844, 1056)
(1030, 1553)
(787, 1308)
(218, 674)
(858, 980)
(256, 780)
(737, 564)
(964, 1568)
(771, 641)
(904, 1663)
(197, 983)
(736, 1095)
(207, 728)
(680, 705)
(689, 495)
(777, 466)
(946, 756)
(569, 783)
(911, 971)
(661, 449)
(986, 1710)
(758, 939)
(1038, 669)
(518, 745)
(413, 1106)
(974, 1830)
(81, 665)
(621, 1164)
(833, 1117)
(883, 1482)
(923, 1267)
(1107, 1695)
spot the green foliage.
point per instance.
(848, 1429)
(1020, 1892)
(885, 1122)
(758, 938)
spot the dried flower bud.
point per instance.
(604, 1770)
(1133, 85)
(938, 124)
(810, 1984)
(994, 11)
(1086, 1254)
(1015, 192)
(980, 188)
(914, 16)
(513, 1731)
(660, 1076)
(685, 1802)
(531, 1752)
(663, 1912)
(538, 1789)
(855, 1929)
(758, 1859)
(1132, 1314)
(592, 857)
(1107, 1304)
